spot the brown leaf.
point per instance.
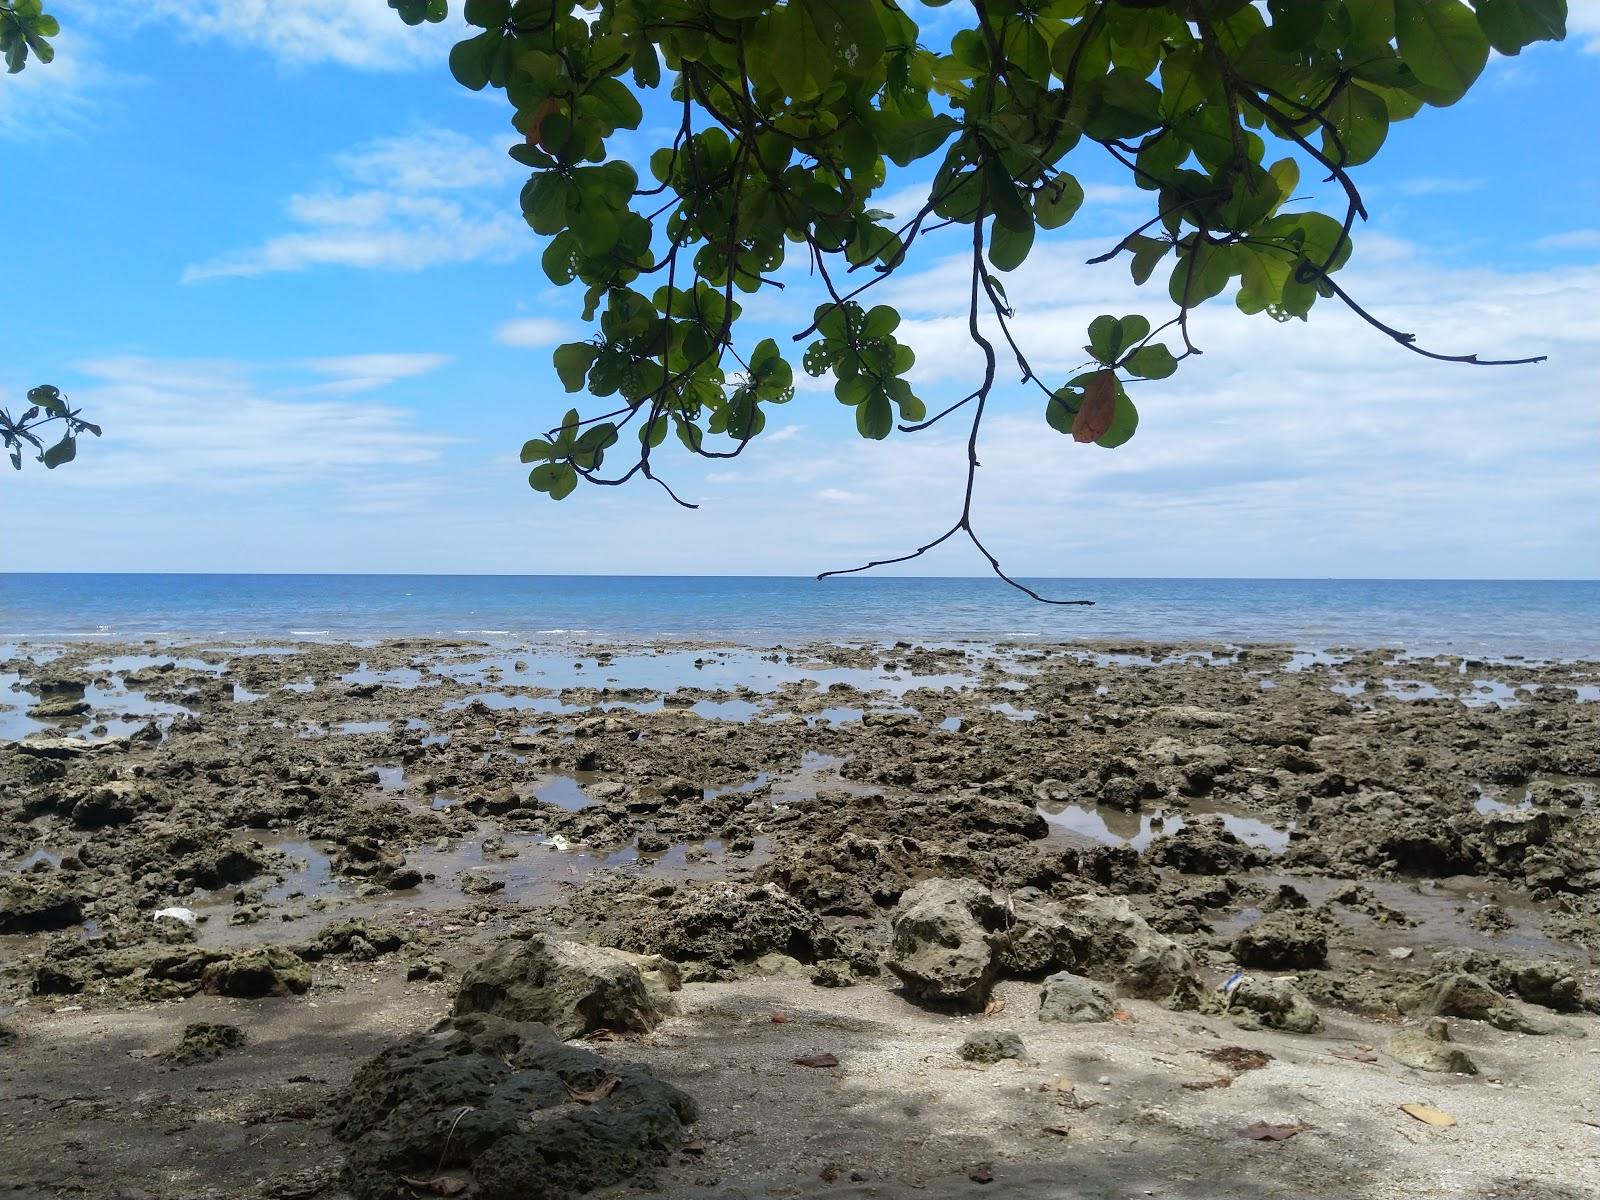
(817, 1060)
(980, 1173)
(1057, 1083)
(1262, 1132)
(693, 1146)
(535, 127)
(779, 1019)
(598, 1092)
(1239, 1058)
(994, 1008)
(1122, 1014)
(1098, 407)
(1205, 1085)
(1428, 1116)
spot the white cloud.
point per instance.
(1317, 448)
(1583, 23)
(532, 332)
(1576, 239)
(46, 99)
(399, 204)
(206, 425)
(365, 34)
(364, 372)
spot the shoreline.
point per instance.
(374, 820)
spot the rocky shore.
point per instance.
(418, 918)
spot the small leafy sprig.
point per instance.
(45, 405)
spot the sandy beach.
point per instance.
(340, 835)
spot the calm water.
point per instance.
(1559, 619)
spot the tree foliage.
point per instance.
(791, 116)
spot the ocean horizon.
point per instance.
(1532, 618)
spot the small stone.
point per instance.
(992, 1045)
(1072, 999)
(1401, 952)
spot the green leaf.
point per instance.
(1123, 423)
(1057, 202)
(486, 14)
(63, 451)
(1443, 44)
(1008, 247)
(1122, 105)
(1147, 252)
(472, 61)
(1154, 361)
(573, 361)
(1361, 119)
(1513, 24)
(875, 418)
(1109, 337)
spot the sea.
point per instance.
(1539, 619)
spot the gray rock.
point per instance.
(29, 907)
(1430, 1049)
(1552, 985)
(1460, 994)
(945, 932)
(1277, 1004)
(572, 988)
(1283, 941)
(992, 1045)
(508, 1104)
(1072, 999)
(1110, 942)
(262, 971)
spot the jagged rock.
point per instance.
(1204, 847)
(1459, 994)
(203, 1041)
(945, 932)
(30, 907)
(261, 971)
(992, 1045)
(111, 803)
(1552, 985)
(1430, 1049)
(358, 938)
(1283, 940)
(509, 1107)
(1276, 1004)
(572, 988)
(718, 929)
(1098, 936)
(1074, 1000)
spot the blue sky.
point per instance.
(281, 260)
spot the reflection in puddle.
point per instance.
(565, 792)
(391, 778)
(1013, 712)
(356, 727)
(1116, 827)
